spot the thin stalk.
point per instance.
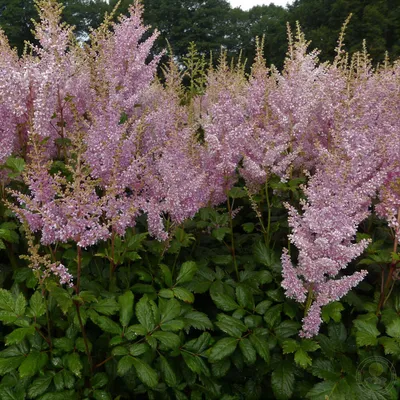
(78, 312)
(232, 238)
(49, 341)
(268, 239)
(309, 299)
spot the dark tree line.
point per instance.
(213, 23)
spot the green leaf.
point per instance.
(106, 306)
(16, 164)
(272, 315)
(37, 305)
(224, 302)
(302, 358)
(393, 329)
(10, 363)
(262, 307)
(261, 346)
(391, 346)
(231, 326)
(324, 369)
(120, 351)
(366, 333)
(223, 348)
(144, 313)
(101, 395)
(237, 193)
(173, 326)
(145, 373)
(134, 331)
(267, 257)
(99, 380)
(219, 233)
(167, 372)
(125, 302)
(245, 297)
(62, 297)
(323, 390)
(195, 363)
(32, 364)
(39, 385)
(138, 349)
(106, 324)
(66, 344)
(183, 294)
(309, 345)
(167, 274)
(74, 364)
(248, 227)
(168, 339)
(220, 368)
(287, 328)
(6, 300)
(249, 354)
(187, 272)
(290, 346)
(197, 320)
(282, 381)
(124, 365)
(332, 311)
(169, 310)
(9, 236)
(200, 344)
(166, 293)
(19, 334)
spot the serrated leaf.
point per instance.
(101, 395)
(74, 364)
(390, 345)
(99, 380)
(167, 339)
(302, 358)
(237, 193)
(144, 313)
(125, 302)
(134, 331)
(173, 326)
(324, 369)
(138, 349)
(37, 305)
(39, 386)
(145, 373)
(393, 328)
(290, 346)
(248, 227)
(197, 320)
(167, 274)
(106, 324)
(261, 346)
(267, 257)
(19, 334)
(200, 344)
(249, 354)
(223, 348)
(6, 301)
(195, 363)
(66, 344)
(187, 271)
(10, 363)
(9, 235)
(166, 293)
(309, 345)
(169, 309)
(224, 301)
(287, 328)
(366, 333)
(120, 351)
(183, 294)
(220, 368)
(231, 326)
(167, 372)
(32, 364)
(332, 310)
(244, 297)
(282, 381)
(272, 315)
(219, 233)
(124, 365)
(106, 306)
(263, 306)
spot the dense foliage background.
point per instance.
(209, 235)
(213, 23)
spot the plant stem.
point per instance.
(232, 238)
(268, 239)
